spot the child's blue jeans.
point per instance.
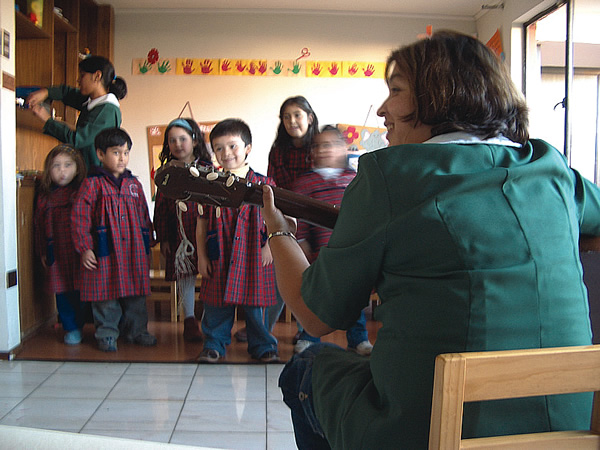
(217, 322)
(71, 311)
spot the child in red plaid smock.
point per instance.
(234, 258)
(176, 229)
(112, 233)
(64, 170)
(327, 182)
(289, 158)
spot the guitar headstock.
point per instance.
(201, 184)
(204, 185)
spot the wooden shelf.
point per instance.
(26, 29)
(26, 119)
(62, 25)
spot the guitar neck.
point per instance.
(297, 205)
(203, 185)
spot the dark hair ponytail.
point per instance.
(118, 87)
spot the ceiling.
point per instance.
(460, 8)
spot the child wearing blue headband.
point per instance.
(184, 142)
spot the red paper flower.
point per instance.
(350, 134)
(153, 56)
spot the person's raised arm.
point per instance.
(290, 262)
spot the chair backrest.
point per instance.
(478, 376)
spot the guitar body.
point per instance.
(206, 186)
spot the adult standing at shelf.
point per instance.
(97, 99)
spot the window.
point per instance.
(545, 77)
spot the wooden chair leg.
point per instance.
(174, 299)
(288, 315)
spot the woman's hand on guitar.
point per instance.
(273, 217)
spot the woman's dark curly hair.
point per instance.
(459, 84)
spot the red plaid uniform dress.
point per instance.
(238, 277)
(115, 223)
(286, 165)
(328, 190)
(166, 226)
(54, 240)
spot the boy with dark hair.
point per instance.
(112, 229)
(239, 271)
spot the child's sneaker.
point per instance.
(208, 355)
(270, 356)
(145, 339)
(73, 337)
(364, 348)
(107, 344)
(301, 345)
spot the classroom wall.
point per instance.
(9, 296)
(158, 99)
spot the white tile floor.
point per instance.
(221, 406)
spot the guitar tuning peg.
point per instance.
(230, 181)
(182, 206)
(212, 176)
(200, 209)
(218, 212)
(194, 171)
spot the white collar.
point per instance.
(108, 98)
(461, 137)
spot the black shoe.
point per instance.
(145, 339)
(270, 356)
(241, 335)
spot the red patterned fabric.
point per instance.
(286, 165)
(113, 221)
(238, 277)
(327, 190)
(166, 226)
(54, 240)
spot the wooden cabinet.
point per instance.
(36, 307)
(45, 56)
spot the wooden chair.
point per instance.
(469, 377)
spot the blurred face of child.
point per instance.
(181, 144)
(328, 150)
(296, 121)
(230, 151)
(63, 169)
(115, 159)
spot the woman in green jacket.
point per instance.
(467, 229)
(97, 99)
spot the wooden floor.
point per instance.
(47, 344)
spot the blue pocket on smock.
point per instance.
(212, 245)
(50, 251)
(103, 242)
(146, 238)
